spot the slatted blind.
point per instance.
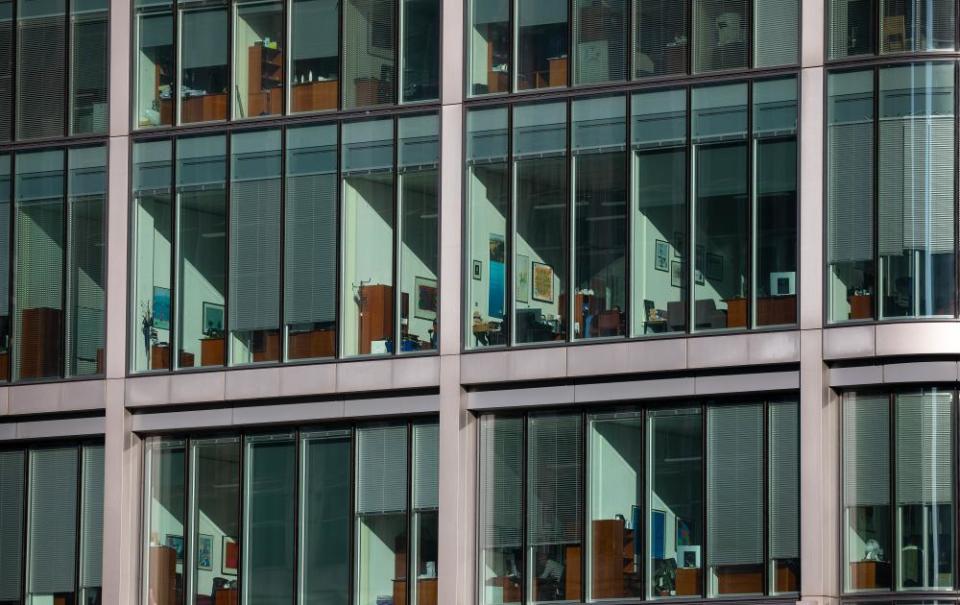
(866, 450)
(41, 46)
(554, 479)
(369, 52)
(735, 484)
(311, 248)
(838, 42)
(52, 525)
(382, 469)
(426, 466)
(924, 447)
(6, 68)
(5, 181)
(600, 38)
(850, 192)
(776, 32)
(91, 508)
(784, 480)
(11, 524)
(501, 481)
(88, 90)
(657, 24)
(720, 34)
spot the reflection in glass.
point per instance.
(850, 193)
(258, 61)
(541, 43)
(720, 34)
(420, 63)
(488, 196)
(916, 25)
(215, 519)
(255, 247)
(501, 509)
(489, 46)
(418, 172)
(675, 501)
(866, 491)
(659, 199)
(368, 294)
(5, 235)
(853, 29)
(6, 68)
(204, 76)
(41, 42)
(52, 526)
(660, 37)
(12, 499)
(600, 217)
(600, 41)
(91, 525)
(315, 55)
(369, 51)
(155, 75)
(783, 496)
(614, 452)
(165, 515)
(916, 199)
(202, 262)
(541, 204)
(426, 506)
(88, 66)
(310, 242)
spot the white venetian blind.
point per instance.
(369, 52)
(382, 469)
(41, 59)
(11, 524)
(501, 481)
(554, 479)
(850, 192)
(91, 508)
(426, 466)
(52, 525)
(866, 450)
(784, 481)
(6, 68)
(924, 447)
(735, 484)
(776, 31)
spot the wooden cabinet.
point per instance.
(777, 310)
(740, 579)
(426, 592)
(314, 96)
(865, 575)
(212, 351)
(687, 582)
(40, 337)
(736, 312)
(163, 576)
(787, 578)
(376, 315)
(266, 346)
(226, 596)
(160, 358)
(203, 108)
(265, 83)
(312, 344)
(861, 306)
(613, 564)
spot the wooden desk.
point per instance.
(212, 351)
(861, 306)
(314, 96)
(426, 592)
(776, 310)
(736, 312)
(226, 596)
(511, 588)
(787, 578)
(740, 579)
(312, 344)
(160, 358)
(687, 583)
(203, 108)
(865, 575)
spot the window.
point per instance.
(685, 480)
(856, 27)
(204, 78)
(733, 177)
(258, 62)
(268, 515)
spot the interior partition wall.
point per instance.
(338, 515)
(583, 215)
(685, 499)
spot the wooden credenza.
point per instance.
(311, 345)
(212, 351)
(742, 579)
(163, 577)
(203, 108)
(40, 330)
(314, 96)
(426, 592)
(613, 565)
(687, 583)
(376, 315)
(865, 575)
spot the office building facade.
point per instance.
(479, 302)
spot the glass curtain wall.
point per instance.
(7, 28)
(41, 55)
(154, 63)
(165, 522)
(425, 513)
(314, 56)
(204, 79)
(6, 235)
(12, 501)
(259, 48)
(856, 27)
(783, 495)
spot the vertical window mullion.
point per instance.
(509, 290)
(569, 252)
(894, 530)
(525, 574)
(78, 515)
(188, 495)
(338, 246)
(174, 362)
(687, 271)
(878, 265)
(628, 201)
(705, 497)
(244, 524)
(281, 248)
(228, 241)
(397, 329)
(767, 576)
(12, 278)
(25, 528)
(67, 74)
(411, 570)
(65, 260)
(751, 320)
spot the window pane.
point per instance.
(269, 505)
(776, 32)
(916, 206)
(418, 174)
(600, 217)
(258, 59)
(40, 251)
(853, 30)
(925, 480)
(554, 514)
(369, 52)
(488, 196)
(6, 68)
(203, 69)
(775, 210)
(11, 525)
(489, 36)
(615, 503)
(310, 240)
(541, 205)
(255, 247)
(41, 42)
(215, 519)
(917, 25)
(368, 246)
(155, 72)
(600, 35)
(720, 34)
(86, 221)
(5, 183)
(541, 43)
(88, 66)
(150, 332)
(722, 232)
(501, 509)
(783, 496)
(660, 37)
(735, 499)
(421, 50)
(850, 264)
(675, 498)
(659, 199)
(315, 62)
(381, 514)
(52, 526)
(426, 503)
(202, 225)
(165, 518)
(325, 536)
(91, 525)
(866, 483)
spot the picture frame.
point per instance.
(523, 278)
(676, 274)
(683, 534)
(542, 282)
(161, 308)
(478, 270)
(205, 552)
(212, 320)
(177, 544)
(688, 557)
(230, 554)
(658, 533)
(714, 267)
(425, 292)
(661, 257)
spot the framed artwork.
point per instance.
(478, 270)
(523, 278)
(676, 274)
(426, 298)
(714, 268)
(658, 533)
(205, 552)
(683, 533)
(176, 543)
(231, 556)
(661, 259)
(680, 241)
(688, 557)
(498, 248)
(542, 282)
(212, 319)
(161, 308)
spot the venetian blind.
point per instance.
(6, 68)
(501, 481)
(554, 479)
(850, 192)
(88, 74)
(311, 247)
(91, 537)
(866, 450)
(41, 58)
(52, 531)
(784, 481)
(369, 52)
(600, 30)
(382, 469)
(11, 524)
(777, 32)
(426, 466)
(924, 447)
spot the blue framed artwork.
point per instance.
(658, 533)
(161, 308)
(176, 543)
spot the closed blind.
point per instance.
(601, 41)
(916, 185)
(311, 248)
(776, 32)
(255, 255)
(924, 448)
(88, 90)
(554, 481)
(11, 524)
(850, 193)
(382, 469)
(369, 52)
(735, 485)
(501, 481)
(53, 521)
(41, 56)
(784, 482)
(91, 537)
(426, 466)
(866, 450)
(6, 68)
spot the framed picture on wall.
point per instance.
(231, 556)
(161, 308)
(542, 282)
(680, 241)
(212, 320)
(661, 258)
(714, 268)
(676, 274)
(425, 290)
(523, 278)
(478, 270)
(204, 552)
(176, 543)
